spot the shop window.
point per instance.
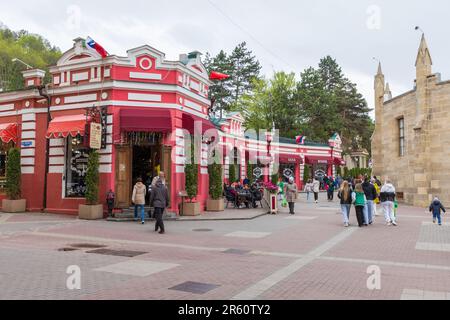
(76, 167)
(401, 126)
(4, 148)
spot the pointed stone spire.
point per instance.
(424, 61)
(387, 93)
(380, 72)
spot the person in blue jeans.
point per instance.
(139, 192)
(371, 194)
(345, 194)
(436, 207)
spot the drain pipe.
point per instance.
(43, 92)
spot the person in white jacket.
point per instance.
(316, 189)
(387, 198)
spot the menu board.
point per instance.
(95, 136)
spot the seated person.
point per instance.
(256, 195)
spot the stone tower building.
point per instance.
(411, 141)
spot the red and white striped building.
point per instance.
(152, 104)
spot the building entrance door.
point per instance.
(123, 176)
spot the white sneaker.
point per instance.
(346, 225)
(389, 223)
(394, 223)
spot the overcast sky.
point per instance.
(288, 35)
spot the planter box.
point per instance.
(191, 209)
(14, 206)
(86, 212)
(215, 205)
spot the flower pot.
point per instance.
(191, 209)
(215, 205)
(87, 212)
(14, 206)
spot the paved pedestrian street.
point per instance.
(275, 257)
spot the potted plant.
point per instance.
(92, 210)
(191, 208)
(14, 203)
(215, 203)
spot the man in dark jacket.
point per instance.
(371, 195)
(159, 199)
(436, 207)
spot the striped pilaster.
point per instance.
(28, 150)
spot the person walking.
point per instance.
(436, 207)
(359, 199)
(371, 194)
(387, 198)
(316, 189)
(377, 200)
(161, 176)
(330, 190)
(309, 188)
(138, 198)
(159, 199)
(281, 187)
(345, 194)
(291, 194)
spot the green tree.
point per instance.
(30, 48)
(246, 68)
(242, 67)
(232, 173)
(191, 173)
(215, 181)
(92, 178)
(13, 175)
(306, 174)
(272, 101)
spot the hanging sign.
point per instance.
(257, 173)
(95, 136)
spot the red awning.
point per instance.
(339, 162)
(145, 120)
(289, 158)
(8, 132)
(190, 121)
(318, 160)
(62, 127)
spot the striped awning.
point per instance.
(62, 127)
(8, 132)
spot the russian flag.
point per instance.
(300, 139)
(94, 45)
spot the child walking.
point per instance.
(359, 200)
(436, 207)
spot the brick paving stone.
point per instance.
(299, 257)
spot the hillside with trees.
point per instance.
(31, 48)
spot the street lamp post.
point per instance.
(24, 63)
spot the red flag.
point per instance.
(218, 76)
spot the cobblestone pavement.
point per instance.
(275, 257)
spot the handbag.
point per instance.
(284, 203)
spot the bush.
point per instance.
(274, 178)
(215, 181)
(306, 174)
(191, 172)
(92, 178)
(232, 173)
(13, 175)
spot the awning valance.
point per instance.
(317, 160)
(289, 158)
(8, 132)
(190, 122)
(142, 120)
(62, 127)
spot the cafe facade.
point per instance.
(147, 110)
